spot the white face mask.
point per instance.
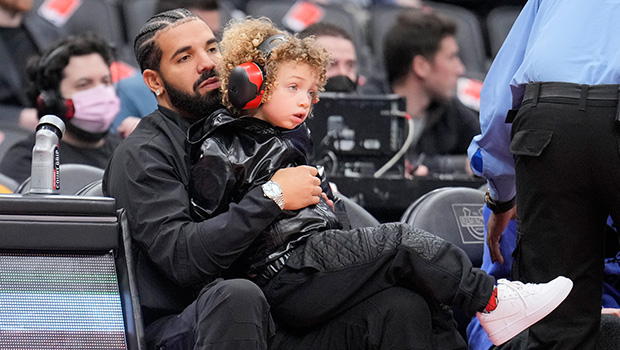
(95, 108)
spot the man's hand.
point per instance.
(29, 119)
(495, 227)
(127, 126)
(300, 186)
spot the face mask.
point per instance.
(95, 108)
(340, 83)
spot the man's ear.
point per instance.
(153, 80)
(420, 66)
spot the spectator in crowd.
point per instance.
(180, 259)
(23, 34)
(136, 98)
(422, 64)
(342, 73)
(297, 259)
(71, 80)
(549, 152)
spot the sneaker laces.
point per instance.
(512, 288)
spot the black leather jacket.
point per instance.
(231, 156)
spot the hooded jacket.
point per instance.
(231, 156)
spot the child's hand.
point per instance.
(329, 201)
(300, 186)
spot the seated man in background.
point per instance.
(71, 80)
(422, 64)
(342, 74)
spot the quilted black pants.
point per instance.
(335, 270)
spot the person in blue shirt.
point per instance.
(549, 109)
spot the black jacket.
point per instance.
(234, 156)
(175, 253)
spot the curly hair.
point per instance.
(240, 43)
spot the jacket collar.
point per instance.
(205, 127)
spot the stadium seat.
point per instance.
(92, 189)
(469, 33)
(336, 14)
(99, 16)
(499, 21)
(453, 213)
(73, 177)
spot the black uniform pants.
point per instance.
(567, 162)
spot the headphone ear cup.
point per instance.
(50, 102)
(245, 86)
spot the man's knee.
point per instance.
(239, 299)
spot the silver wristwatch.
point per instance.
(273, 191)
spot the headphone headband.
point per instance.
(271, 43)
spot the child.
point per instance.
(309, 268)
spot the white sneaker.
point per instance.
(521, 305)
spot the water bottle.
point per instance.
(45, 171)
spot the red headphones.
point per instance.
(245, 84)
(50, 102)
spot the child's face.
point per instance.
(291, 97)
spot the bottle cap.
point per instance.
(53, 120)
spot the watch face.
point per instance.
(272, 189)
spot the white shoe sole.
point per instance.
(504, 335)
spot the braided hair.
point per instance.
(147, 52)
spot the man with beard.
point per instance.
(181, 262)
(71, 80)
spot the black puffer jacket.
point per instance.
(231, 156)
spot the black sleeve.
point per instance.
(153, 186)
(17, 161)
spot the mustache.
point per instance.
(204, 76)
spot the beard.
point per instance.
(194, 106)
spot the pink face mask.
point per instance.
(95, 108)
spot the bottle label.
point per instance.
(56, 168)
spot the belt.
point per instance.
(535, 91)
(608, 94)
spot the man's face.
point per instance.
(342, 53)
(16, 5)
(189, 55)
(446, 68)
